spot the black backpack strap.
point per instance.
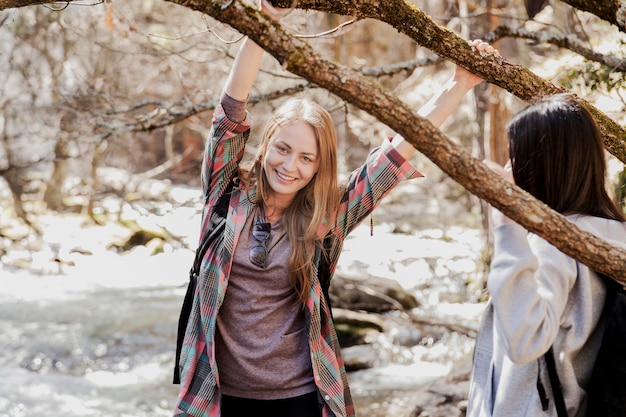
(185, 312)
(557, 391)
(323, 271)
(219, 213)
(541, 390)
(215, 227)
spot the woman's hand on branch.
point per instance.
(467, 77)
(447, 98)
(441, 105)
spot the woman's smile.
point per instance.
(284, 177)
(291, 160)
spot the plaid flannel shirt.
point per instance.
(199, 395)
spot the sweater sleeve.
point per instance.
(367, 185)
(224, 147)
(234, 109)
(529, 282)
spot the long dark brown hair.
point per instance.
(557, 155)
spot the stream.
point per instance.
(87, 331)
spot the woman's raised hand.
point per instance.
(504, 171)
(471, 79)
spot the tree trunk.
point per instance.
(53, 197)
(498, 111)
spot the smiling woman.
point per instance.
(290, 162)
(261, 338)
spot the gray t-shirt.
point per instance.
(261, 340)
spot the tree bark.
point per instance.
(10, 4)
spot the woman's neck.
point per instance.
(275, 207)
(273, 213)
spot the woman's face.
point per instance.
(291, 159)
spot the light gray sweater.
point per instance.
(539, 297)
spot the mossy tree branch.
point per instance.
(298, 57)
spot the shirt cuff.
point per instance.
(234, 109)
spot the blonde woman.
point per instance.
(260, 339)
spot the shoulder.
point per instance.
(613, 231)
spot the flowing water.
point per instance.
(94, 334)
(88, 351)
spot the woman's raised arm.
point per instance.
(445, 101)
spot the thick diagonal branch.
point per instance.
(299, 58)
(416, 24)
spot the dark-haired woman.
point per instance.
(541, 297)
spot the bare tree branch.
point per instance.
(399, 67)
(166, 114)
(10, 4)
(564, 41)
(163, 114)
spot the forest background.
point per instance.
(104, 111)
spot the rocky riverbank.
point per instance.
(89, 308)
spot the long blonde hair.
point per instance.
(313, 210)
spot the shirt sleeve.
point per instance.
(529, 282)
(223, 152)
(383, 169)
(234, 109)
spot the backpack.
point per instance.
(214, 231)
(606, 389)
